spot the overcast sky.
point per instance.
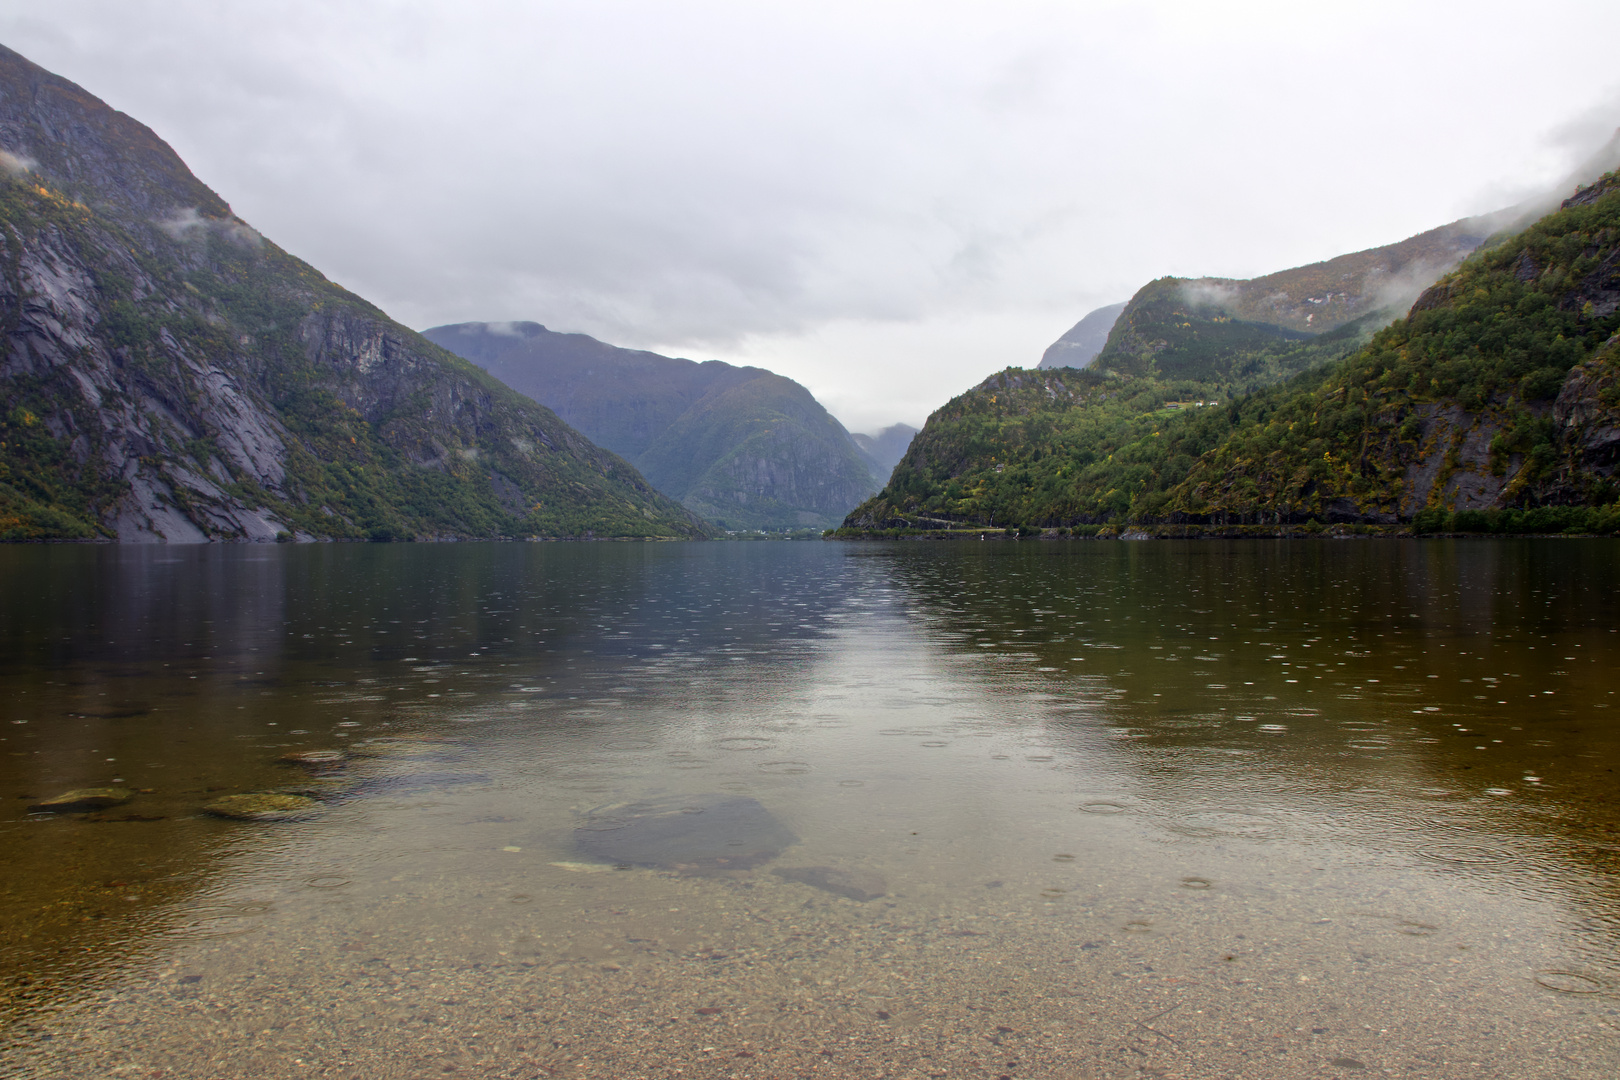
(885, 201)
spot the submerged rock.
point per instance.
(415, 783)
(82, 799)
(316, 760)
(324, 788)
(692, 834)
(420, 747)
(854, 884)
(263, 806)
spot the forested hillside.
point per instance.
(1491, 405)
(1496, 392)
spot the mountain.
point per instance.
(622, 398)
(1326, 295)
(1066, 445)
(1497, 392)
(171, 375)
(884, 450)
(1084, 340)
(1495, 403)
(741, 446)
(1211, 329)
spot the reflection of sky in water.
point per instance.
(1348, 787)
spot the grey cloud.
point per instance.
(883, 201)
(189, 225)
(1209, 293)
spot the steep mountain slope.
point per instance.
(763, 454)
(1083, 341)
(1165, 332)
(623, 399)
(1494, 404)
(742, 446)
(169, 374)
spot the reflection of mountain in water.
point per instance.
(1357, 689)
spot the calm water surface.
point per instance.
(1006, 810)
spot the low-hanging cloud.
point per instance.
(1208, 293)
(1395, 293)
(187, 225)
(16, 164)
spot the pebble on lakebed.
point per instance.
(82, 799)
(263, 806)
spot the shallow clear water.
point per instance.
(1031, 809)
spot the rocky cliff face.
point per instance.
(171, 375)
(738, 445)
(1587, 418)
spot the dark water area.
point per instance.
(999, 809)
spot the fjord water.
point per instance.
(1172, 809)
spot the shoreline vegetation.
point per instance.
(739, 536)
(1542, 521)
(1195, 532)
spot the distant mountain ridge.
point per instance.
(884, 450)
(1084, 340)
(171, 375)
(741, 446)
(1325, 295)
(1193, 328)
